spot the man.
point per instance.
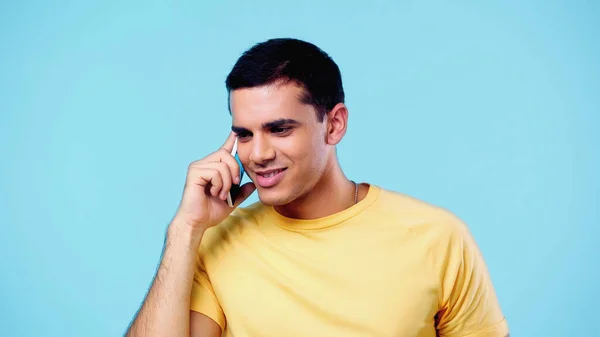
(319, 255)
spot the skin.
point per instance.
(276, 130)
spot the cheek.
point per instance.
(309, 151)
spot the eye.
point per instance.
(280, 130)
(244, 135)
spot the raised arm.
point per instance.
(166, 307)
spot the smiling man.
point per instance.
(318, 255)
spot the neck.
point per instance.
(333, 193)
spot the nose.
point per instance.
(261, 152)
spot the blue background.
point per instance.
(490, 109)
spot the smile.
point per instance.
(269, 178)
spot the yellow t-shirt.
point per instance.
(390, 265)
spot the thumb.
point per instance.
(245, 191)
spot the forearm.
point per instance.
(166, 309)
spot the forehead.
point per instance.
(254, 106)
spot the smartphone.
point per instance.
(235, 188)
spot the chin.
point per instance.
(274, 198)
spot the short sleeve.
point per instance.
(469, 304)
(203, 298)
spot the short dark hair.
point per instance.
(287, 59)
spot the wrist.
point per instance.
(184, 234)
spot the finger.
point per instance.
(207, 176)
(226, 179)
(223, 151)
(245, 191)
(232, 164)
(228, 145)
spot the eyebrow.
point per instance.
(269, 125)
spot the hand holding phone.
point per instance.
(208, 196)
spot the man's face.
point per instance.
(281, 143)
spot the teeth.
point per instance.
(270, 174)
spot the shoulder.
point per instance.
(420, 217)
(243, 221)
(443, 235)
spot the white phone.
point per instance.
(235, 188)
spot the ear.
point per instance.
(337, 123)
